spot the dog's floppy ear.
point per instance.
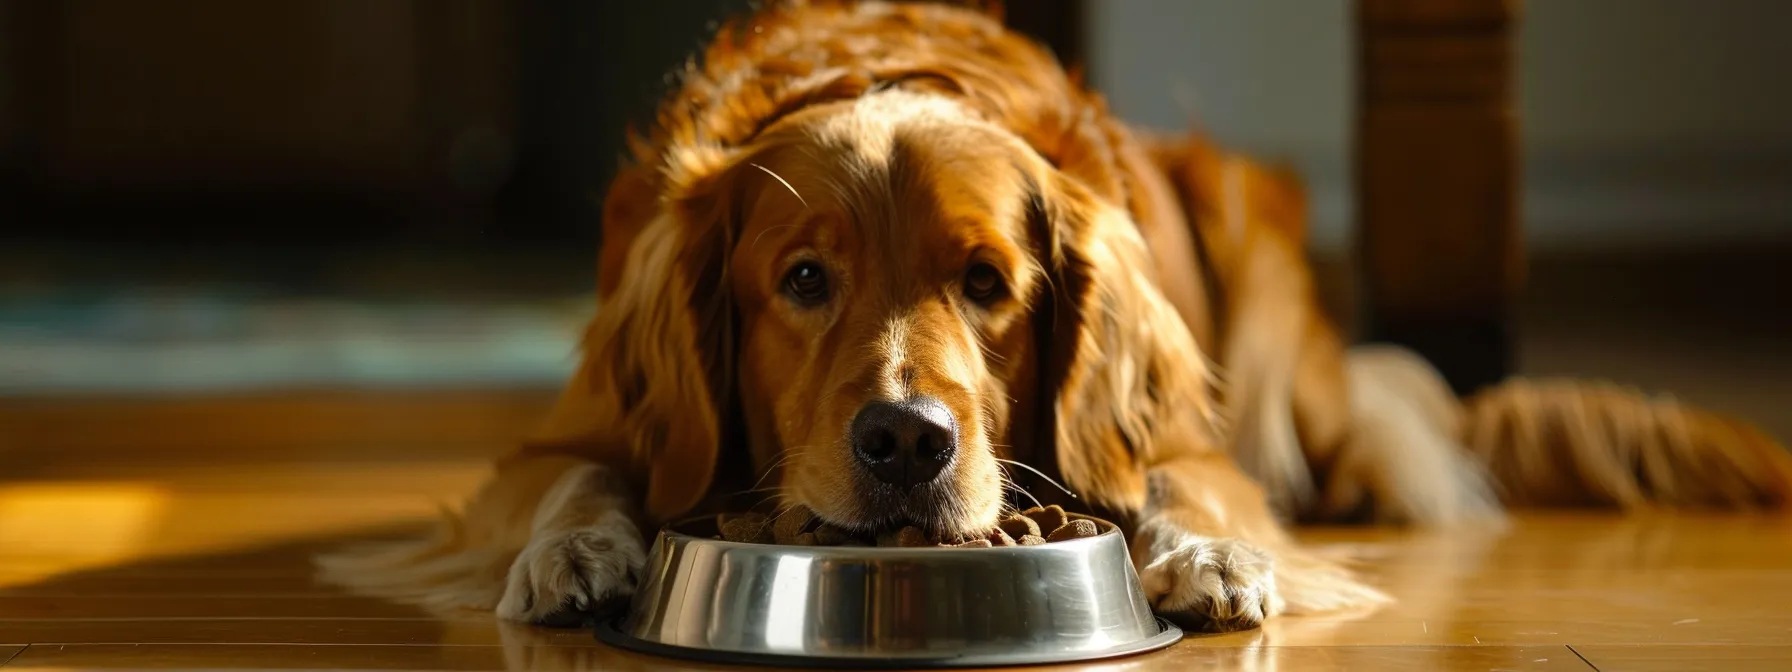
(1121, 370)
(655, 381)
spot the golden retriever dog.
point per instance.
(890, 263)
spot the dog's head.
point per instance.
(890, 253)
(890, 292)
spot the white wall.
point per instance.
(1658, 121)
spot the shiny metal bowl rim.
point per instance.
(609, 628)
(609, 631)
(671, 530)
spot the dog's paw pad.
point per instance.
(1216, 585)
(558, 578)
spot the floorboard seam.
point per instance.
(1582, 658)
(15, 654)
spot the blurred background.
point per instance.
(216, 197)
(280, 274)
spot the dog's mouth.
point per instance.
(933, 508)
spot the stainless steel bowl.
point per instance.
(721, 601)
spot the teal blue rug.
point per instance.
(184, 341)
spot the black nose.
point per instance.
(905, 443)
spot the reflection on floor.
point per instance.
(191, 562)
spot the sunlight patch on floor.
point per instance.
(65, 527)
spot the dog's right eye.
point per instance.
(807, 283)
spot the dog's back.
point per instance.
(1337, 433)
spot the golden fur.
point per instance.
(895, 147)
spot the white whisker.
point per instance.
(1040, 474)
(766, 489)
(783, 510)
(782, 181)
(767, 230)
(781, 461)
(1018, 490)
(1009, 485)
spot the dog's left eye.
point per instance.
(983, 283)
(807, 283)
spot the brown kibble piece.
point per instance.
(828, 535)
(790, 524)
(1049, 518)
(801, 527)
(907, 537)
(1076, 529)
(726, 519)
(1018, 526)
(752, 529)
(912, 537)
(722, 519)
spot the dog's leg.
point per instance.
(546, 532)
(1211, 555)
(584, 547)
(1193, 564)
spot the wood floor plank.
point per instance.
(1380, 658)
(1651, 658)
(470, 631)
(1605, 628)
(109, 585)
(516, 656)
(1290, 632)
(196, 565)
(8, 652)
(274, 657)
(27, 607)
(59, 433)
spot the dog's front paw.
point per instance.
(562, 576)
(1217, 585)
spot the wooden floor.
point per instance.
(125, 546)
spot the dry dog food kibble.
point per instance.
(1049, 519)
(908, 537)
(800, 527)
(1019, 527)
(1075, 529)
(750, 528)
(791, 525)
(828, 535)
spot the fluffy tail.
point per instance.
(1577, 443)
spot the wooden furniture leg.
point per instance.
(1057, 23)
(1437, 181)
